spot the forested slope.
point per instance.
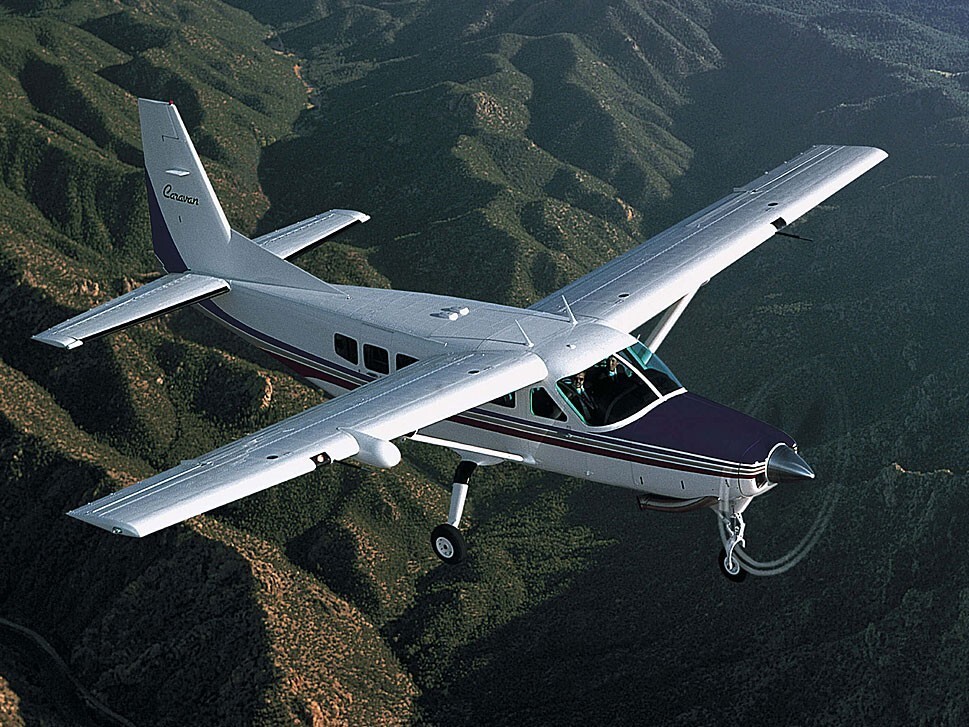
(502, 148)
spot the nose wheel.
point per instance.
(730, 568)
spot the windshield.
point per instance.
(652, 368)
(618, 387)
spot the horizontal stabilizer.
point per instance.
(302, 236)
(159, 296)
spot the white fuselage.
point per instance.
(411, 326)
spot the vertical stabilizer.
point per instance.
(189, 230)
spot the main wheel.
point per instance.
(448, 544)
(737, 574)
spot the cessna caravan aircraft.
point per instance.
(561, 385)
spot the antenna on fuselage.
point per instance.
(568, 309)
(528, 341)
(793, 236)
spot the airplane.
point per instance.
(561, 386)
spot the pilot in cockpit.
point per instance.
(607, 381)
(580, 398)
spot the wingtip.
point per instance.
(153, 102)
(356, 215)
(68, 342)
(112, 526)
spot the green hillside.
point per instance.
(503, 148)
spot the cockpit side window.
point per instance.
(607, 392)
(577, 393)
(543, 405)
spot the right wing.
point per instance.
(628, 291)
(357, 424)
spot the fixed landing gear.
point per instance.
(448, 543)
(730, 567)
(446, 540)
(732, 534)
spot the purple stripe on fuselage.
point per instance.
(691, 423)
(686, 423)
(161, 237)
(699, 467)
(309, 372)
(355, 376)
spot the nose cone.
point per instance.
(786, 465)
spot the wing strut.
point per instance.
(666, 323)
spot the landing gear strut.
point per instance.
(446, 540)
(734, 527)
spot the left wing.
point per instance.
(628, 291)
(357, 424)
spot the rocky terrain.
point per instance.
(503, 148)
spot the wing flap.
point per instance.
(299, 237)
(159, 296)
(360, 423)
(629, 290)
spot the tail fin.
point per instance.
(189, 230)
(192, 239)
(188, 227)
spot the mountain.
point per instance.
(503, 147)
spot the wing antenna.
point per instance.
(528, 341)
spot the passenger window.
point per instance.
(544, 406)
(376, 359)
(346, 348)
(403, 360)
(508, 400)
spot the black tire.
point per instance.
(737, 577)
(448, 544)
